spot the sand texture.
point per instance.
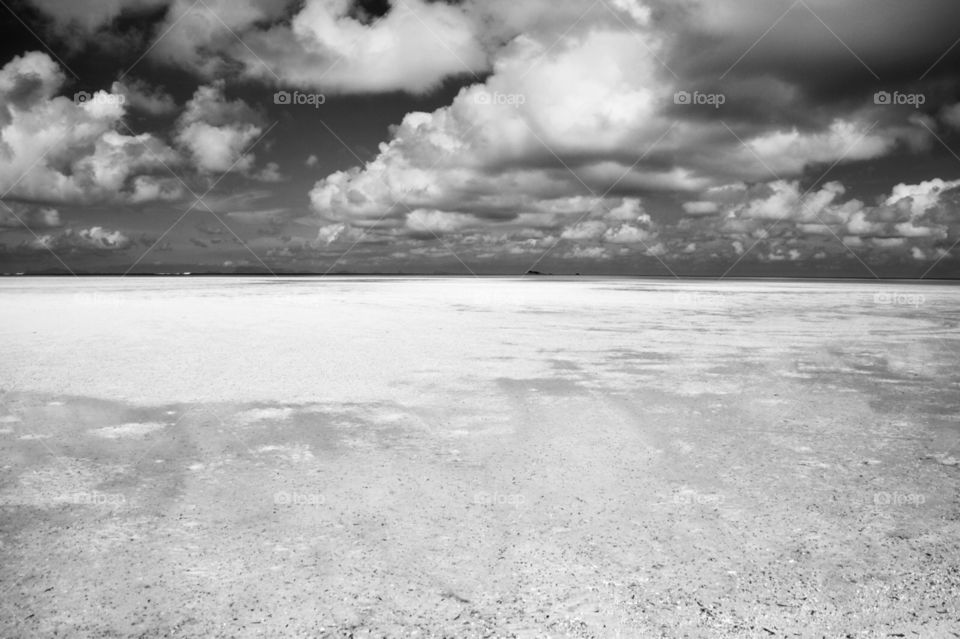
(478, 458)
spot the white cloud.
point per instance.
(216, 132)
(94, 238)
(412, 48)
(443, 160)
(436, 222)
(588, 253)
(596, 99)
(626, 234)
(921, 196)
(788, 152)
(147, 188)
(912, 215)
(630, 210)
(54, 149)
(589, 230)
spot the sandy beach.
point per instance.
(459, 457)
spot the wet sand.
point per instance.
(489, 458)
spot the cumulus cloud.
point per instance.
(568, 136)
(447, 160)
(432, 221)
(94, 238)
(326, 45)
(589, 230)
(55, 149)
(216, 132)
(627, 234)
(783, 217)
(557, 121)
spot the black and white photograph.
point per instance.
(434, 319)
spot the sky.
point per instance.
(710, 138)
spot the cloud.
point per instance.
(629, 210)
(216, 132)
(430, 222)
(920, 197)
(700, 208)
(83, 18)
(90, 239)
(448, 160)
(269, 173)
(325, 46)
(951, 115)
(259, 216)
(589, 230)
(15, 215)
(780, 211)
(330, 233)
(627, 234)
(148, 188)
(53, 148)
(788, 152)
(141, 96)
(592, 116)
